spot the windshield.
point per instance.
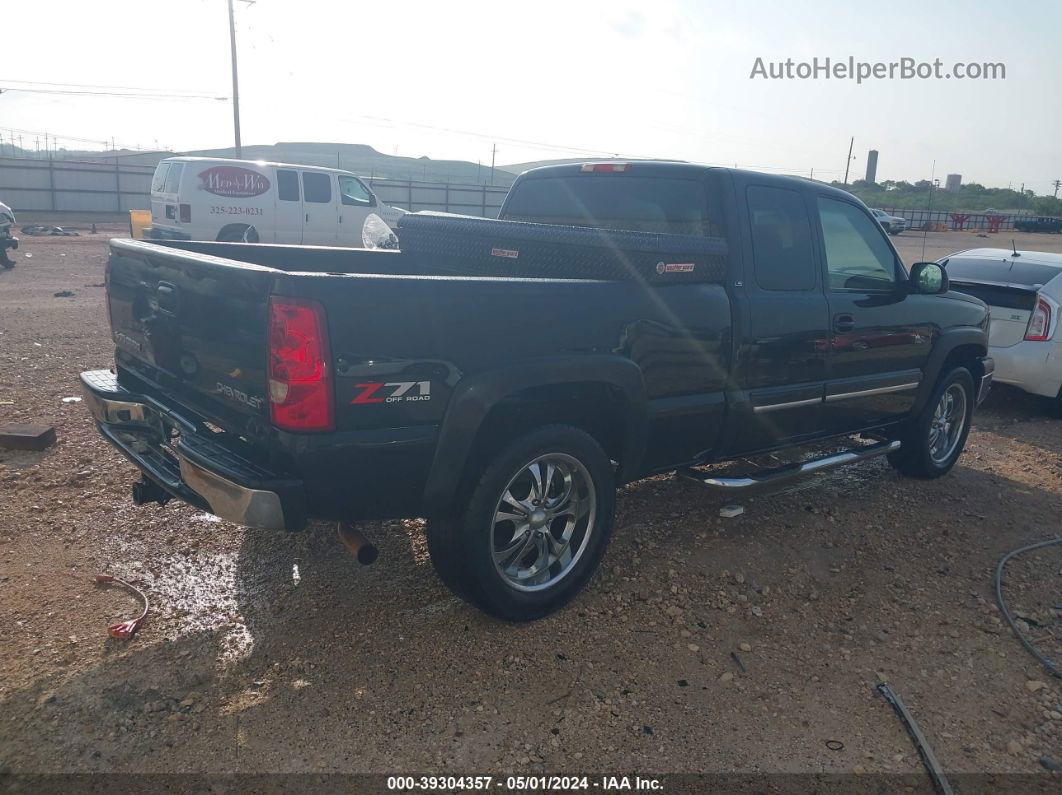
(646, 204)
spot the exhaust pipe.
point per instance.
(363, 550)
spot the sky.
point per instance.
(544, 79)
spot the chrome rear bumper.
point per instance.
(168, 449)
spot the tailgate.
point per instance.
(193, 323)
(1010, 305)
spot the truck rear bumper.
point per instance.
(170, 450)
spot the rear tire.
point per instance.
(533, 526)
(238, 233)
(935, 439)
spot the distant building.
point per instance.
(953, 183)
(872, 165)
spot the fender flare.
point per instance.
(949, 340)
(476, 395)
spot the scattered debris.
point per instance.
(46, 230)
(730, 511)
(72, 399)
(1050, 763)
(936, 772)
(21, 436)
(124, 629)
(835, 745)
(27, 255)
(726, 676)
(63, 294)
(737, 659)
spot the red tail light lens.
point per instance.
(300, 375)
(1039, 329)
(186, 213)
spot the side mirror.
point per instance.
(928, 278)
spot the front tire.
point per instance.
(935, 439)
(534, 526)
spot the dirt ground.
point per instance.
(703, 645)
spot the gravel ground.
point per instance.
(703, 645)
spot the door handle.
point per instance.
(843, 323)
(307, 216)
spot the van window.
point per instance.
(287, 185)
(173, 178)
(353, 192)
(159, 180)
(781, 239)
(317, 187)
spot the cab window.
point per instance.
(781, 239)
(353, 192)
(858, 257)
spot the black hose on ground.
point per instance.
(1047, 662)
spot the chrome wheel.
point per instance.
(947, 423)
(543, 521)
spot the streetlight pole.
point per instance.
(235, 84)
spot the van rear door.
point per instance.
(165, 185)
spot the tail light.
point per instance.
(1039, 328)
(605, 168)
(186, 213)
(300, 375)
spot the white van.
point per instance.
(209, 198)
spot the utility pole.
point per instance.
(1057, 183)
(493, 151)
(848, 162)
(235, 84)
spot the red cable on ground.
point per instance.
(124, 629)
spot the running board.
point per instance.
(792, 471)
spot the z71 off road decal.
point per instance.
(393, 392)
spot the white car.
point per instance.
(7, 235)
(1023, 290)
(207, 198)
(893, 224)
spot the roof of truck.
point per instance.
(678, 169)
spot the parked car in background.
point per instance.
(206, 198)
(503, 378)
(1042, 223)
(1024, 292)
(7, 235)
(893, 224)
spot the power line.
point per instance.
(126, 95)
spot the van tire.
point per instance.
(238, 233)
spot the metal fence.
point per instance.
(917, 219)
(79, 186)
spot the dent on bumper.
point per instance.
(131, 423)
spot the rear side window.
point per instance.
(173, 178)
(287, 185)
(158, 181)
(781, 239)
(316, 187)
(645, 204)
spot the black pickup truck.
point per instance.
(503, 378)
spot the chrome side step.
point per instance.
(791, 471)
